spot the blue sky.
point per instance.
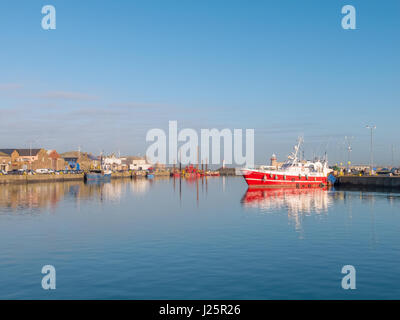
(112, 70)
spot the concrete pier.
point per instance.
(369, 181)
(119, 175)
(17, 179)
(227, 171)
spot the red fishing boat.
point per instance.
(293, 173)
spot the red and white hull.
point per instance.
(292, 174)
(281, 179)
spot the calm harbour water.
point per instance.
(141, 239)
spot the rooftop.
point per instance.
(22, 152)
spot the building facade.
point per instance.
(56, 162)
(137, 163)
(28, 159)
(112, 162)
(5, 162)
(80, 160)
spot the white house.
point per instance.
(112, 162)
(138, 163)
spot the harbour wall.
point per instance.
(227, 171)
(369, 181)
(16, 179)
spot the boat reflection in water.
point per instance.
(297, 202)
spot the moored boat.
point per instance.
(101, 174)
(293, 173)
(150, 173)
(98, 175)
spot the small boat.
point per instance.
(150, 173)
(98, 175)
(102, 174)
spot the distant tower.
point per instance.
(274, 163)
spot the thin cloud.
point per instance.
(159, 106)
(94, 112)
(139, 105)
(9, 86)
(65, 95)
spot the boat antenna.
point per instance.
(293, 155)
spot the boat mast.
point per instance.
(293, 155)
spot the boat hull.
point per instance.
(94, 176)
(258, 179)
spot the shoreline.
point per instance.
(24, 179)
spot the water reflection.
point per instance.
(366, 195)
(48, 195)
(297, 202)
(192, 184)
(294, 200)
(304, 202)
